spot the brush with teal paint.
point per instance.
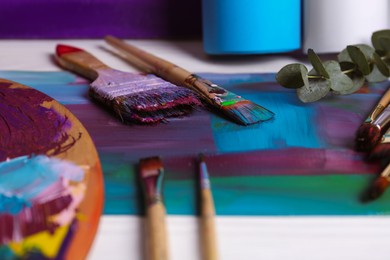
(207, 214)
(235, 107)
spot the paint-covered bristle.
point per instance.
(245, 112)
(143, 98)
(203, 173)
(151, 173)
(368, 136)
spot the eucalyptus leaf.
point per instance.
(358, 81)
(314, 89)
(339, 81)
(382, 66)
(377, 42)
(367, 50)
(317, 63)
(290, 76)
(359, 58)
(343, 56)
(375, 75)
(385, 44)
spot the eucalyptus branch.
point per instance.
(355, 65)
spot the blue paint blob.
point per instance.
(12, 204)
(23, 178)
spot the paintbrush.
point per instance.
(133, 97)
(235, 107)
(378, 109)
(207, 213)
(369, 135)
(151, 177)
(380, 185)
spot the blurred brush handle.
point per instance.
(208, 232)
(156, 233)
(79, 61)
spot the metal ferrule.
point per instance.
(209, 90)
(374, 114)
(383, 119)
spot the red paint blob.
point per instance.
(64, 49)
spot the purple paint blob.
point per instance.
(27, 127)
(67, 240)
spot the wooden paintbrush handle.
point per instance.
(156, 232)
(208, 232)
(79, 61)
(158, 66)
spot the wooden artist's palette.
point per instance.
(51, 183)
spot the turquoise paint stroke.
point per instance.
(333, 194)
(291, 127)
(255, 196)
(24, 178)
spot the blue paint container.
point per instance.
(251, 26)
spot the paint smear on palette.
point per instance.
(45, 205)
(26, 125)
(39, 193)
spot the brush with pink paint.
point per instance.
(133, 97)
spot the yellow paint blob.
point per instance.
(48, 244)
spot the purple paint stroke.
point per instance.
(337, 127)
(184, 136)
(26, 127)
(292, 162)
(95, 19)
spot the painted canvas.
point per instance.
(51, 185)
(301, 163)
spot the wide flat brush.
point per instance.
(207, 214)
(235, 107)
(134, 97)
(380, 185)
(369, 135)
(151, 173)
